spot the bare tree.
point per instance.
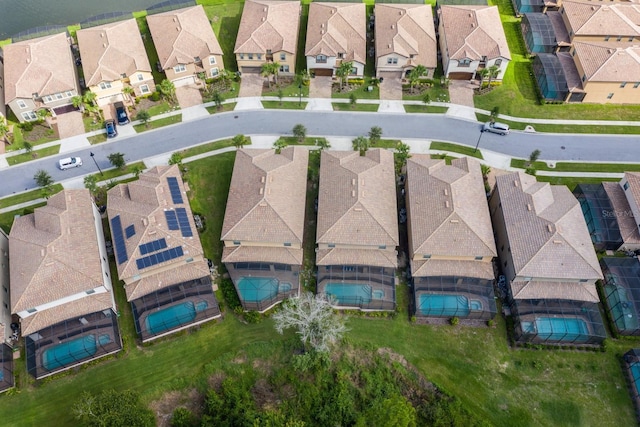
(313, 317)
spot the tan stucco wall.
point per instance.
(290, 60)
(13, 105)
(598, 92)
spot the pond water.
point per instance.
(20, 15)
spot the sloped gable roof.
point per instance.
(547, 233)
(54, 251)
(111, 50)
(473, 32)
(406, 29)
(609, 62)
(357, 198)
(447, 209)
(268, 25)
(555, 290)
(267, 196)
(181, 35)
(335, 28)
(142, 205)
(43, 65)
(597, 19)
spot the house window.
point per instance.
(196, 59)
(583, 280)
(140, 77)
(340, 55)
(48, 98)
(498, 62)
(331, 245)
(68, 94)
(31, 310)
(623, 84)
(354, 71)
(584, 77)
(259, 56)
(619, 38)
(215, 72)
(236, 242)
(29, 115)
(105, 85)
(59, 96)
(626, 185)
(287, 244)
(464, 62)
(242, 56)
(606, 38)
(180, 68)
(392, 60)
(636, 84)
(426, 256)
(212, 60)
(283, 57)
(610, 95)
(321, 59)
(22, 104)
(90, 291)
(284, 68)
(382, 247)
(251, 56)
(478, 258)
(144, 89)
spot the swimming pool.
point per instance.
(349, 293)
(622, 310)
(377, 294)
(174, 316)
(560, 328)
(72, 351)
(443, 305)
(256, 289)
(635, 373)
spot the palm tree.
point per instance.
(494, 70)
(533, 157)
(299, 131)
(484, 73)
(168, 91)
(415, 75)
(343, 71)
(403, 152)
(275, 70)
(77, 101)
(486, 170)
(129, 91)
(279, 145)
(144, 117)
(323, 144)
(361, 144)
(375, 133)
(239, 141)
(266, 70)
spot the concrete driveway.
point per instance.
(320, 87)
(188, 96)
(70, 124)
(391, 86)
(461, 92)
(251, 85)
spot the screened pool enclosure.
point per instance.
(450, 296)
(600, 216)
(622, 292)
(550, 77)
(356, 286)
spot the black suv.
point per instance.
(121, 113)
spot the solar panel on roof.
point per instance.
(172, 220)
(174, 189)
(159, 257)
(183, 221)
(118, 239)
(153, 246)
(130, 231)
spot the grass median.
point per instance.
(561, 128)
(35, 154)
(155, 124)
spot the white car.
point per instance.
(69, 162)
(495, 127)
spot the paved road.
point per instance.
(615, 148)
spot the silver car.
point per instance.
(495, 127)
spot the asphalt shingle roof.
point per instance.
(268, 25)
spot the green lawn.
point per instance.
(285, 105)
(149, 47)
(432, 109)
(209, 146)
(161, 108)
(455, 148)
(26, 157)
(579, 167)
(551, 128)
(90, 125)
(114, 173)
(225, 107)
(225, 20)
(166, 121)
(361, 92)
(97, 139)
(571, 183)
(287, 90)
(342, 106)
(27, 196)
(309, 140)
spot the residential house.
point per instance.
(405, 36)
(591, 21)
(264, 225)
(39, 73)
(186, 45)
(268, 32)
(610, 72)
(471, 38)
(336, 33)
(451, 245)
(550, 265)
(113, 57)
(3, 106)
(61, 286)
(158, 254)
(6, 328)
(357, 232)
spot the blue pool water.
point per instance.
(562, 328)
(475, 305)
(284, 287)
(71, 351)
(349, 293)
(443, 305)
(256, 289)
(174, 316)
(635, 372)
(377, 294)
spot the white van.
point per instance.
(70, 162)
(495, 127)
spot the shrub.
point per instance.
(230, 294)
(454, 320)
(491, 323)
(26, 126)
(155, 96)
(252, 317)
(182, 417)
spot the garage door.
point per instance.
(251, 70)
(326, 72)
(184, 81)
(460, 76)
